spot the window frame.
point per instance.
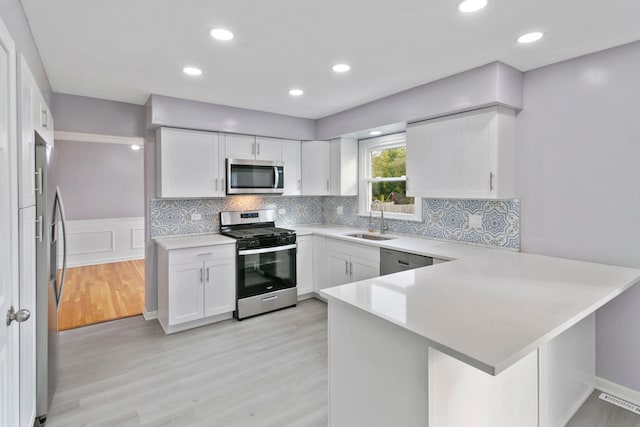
(365, 146)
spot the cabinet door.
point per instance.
(188, 163)
(304, 265)
(240, 146)
(473, 155)
(431, 157)
(362, 269)
(344, 167)
(338, 268)
(186, 294)
(291, 158)
(220, 286)
(268, 149)
(28, 301)
(316, 166)
(27, 150)
(320, 270)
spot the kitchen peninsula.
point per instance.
(500, 339)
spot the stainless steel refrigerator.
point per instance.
(50, 274)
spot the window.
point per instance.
(383, 170)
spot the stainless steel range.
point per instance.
(265, 262)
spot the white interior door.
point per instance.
(9, 350)
(28, 329)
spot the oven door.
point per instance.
(254, 177)
(265, 270)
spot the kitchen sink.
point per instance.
(369, 236)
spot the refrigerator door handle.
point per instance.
(64, 245)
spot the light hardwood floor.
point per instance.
(267, 371)
(98, 293)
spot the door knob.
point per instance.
(19, 316)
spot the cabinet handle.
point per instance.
(351, 269)
(44, 118)
(327, 185)
(200, 275)
(346, 267)
(258, 152)
(490, 181)
(38, 175)
(253, 149)
(299, 184)
(39, 229)
(207, 274)
(216, 184)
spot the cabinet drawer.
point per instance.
(361, 251)
(204, 253)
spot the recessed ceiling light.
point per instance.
(530, 37)
(192, 71)
(221, 34)
(135, 147)
(375, 133)
(341, 68)
(468, 6)
(296, 92)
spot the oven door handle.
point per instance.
(267, 250)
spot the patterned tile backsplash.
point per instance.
(445, 219)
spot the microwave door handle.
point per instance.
(277, 176)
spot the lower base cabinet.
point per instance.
(304, 265)
(196, 286)
(344, 268)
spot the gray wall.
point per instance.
(491, 84)
(578, 176)
(16, 22)
(100, 180)
(91, 115)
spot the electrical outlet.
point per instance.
(196, 217)
(475, 221)
(282, 211)
(340, 210)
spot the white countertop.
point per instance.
(183, 242)
(490, 310)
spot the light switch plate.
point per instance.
(196, 217)
(475, 221)
(340, 210)
(282, 211)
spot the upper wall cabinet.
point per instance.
(292, 168)
(34, 116)
(251, 147)
(468, 155)
(189, 164)
(330, 168)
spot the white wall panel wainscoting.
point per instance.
(101, 241)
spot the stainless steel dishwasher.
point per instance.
(394, 261)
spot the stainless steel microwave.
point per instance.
(254, 177)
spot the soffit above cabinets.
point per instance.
(123, 50)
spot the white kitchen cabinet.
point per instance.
(316, 168)
(344, 167)
(345, 267)
(252, 147)
(467, 155)
(196, 286)
(268, 149)
(330, 167)
(189, 164)
(304, 265)
(292, 168)
(320, 270)
(438, 261)
(219, 297)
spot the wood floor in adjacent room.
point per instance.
(98, 293)
(267, 371)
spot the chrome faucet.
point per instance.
(382, 227)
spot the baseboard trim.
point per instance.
(619, 391)
(149, 315)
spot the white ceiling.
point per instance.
(127, 49)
